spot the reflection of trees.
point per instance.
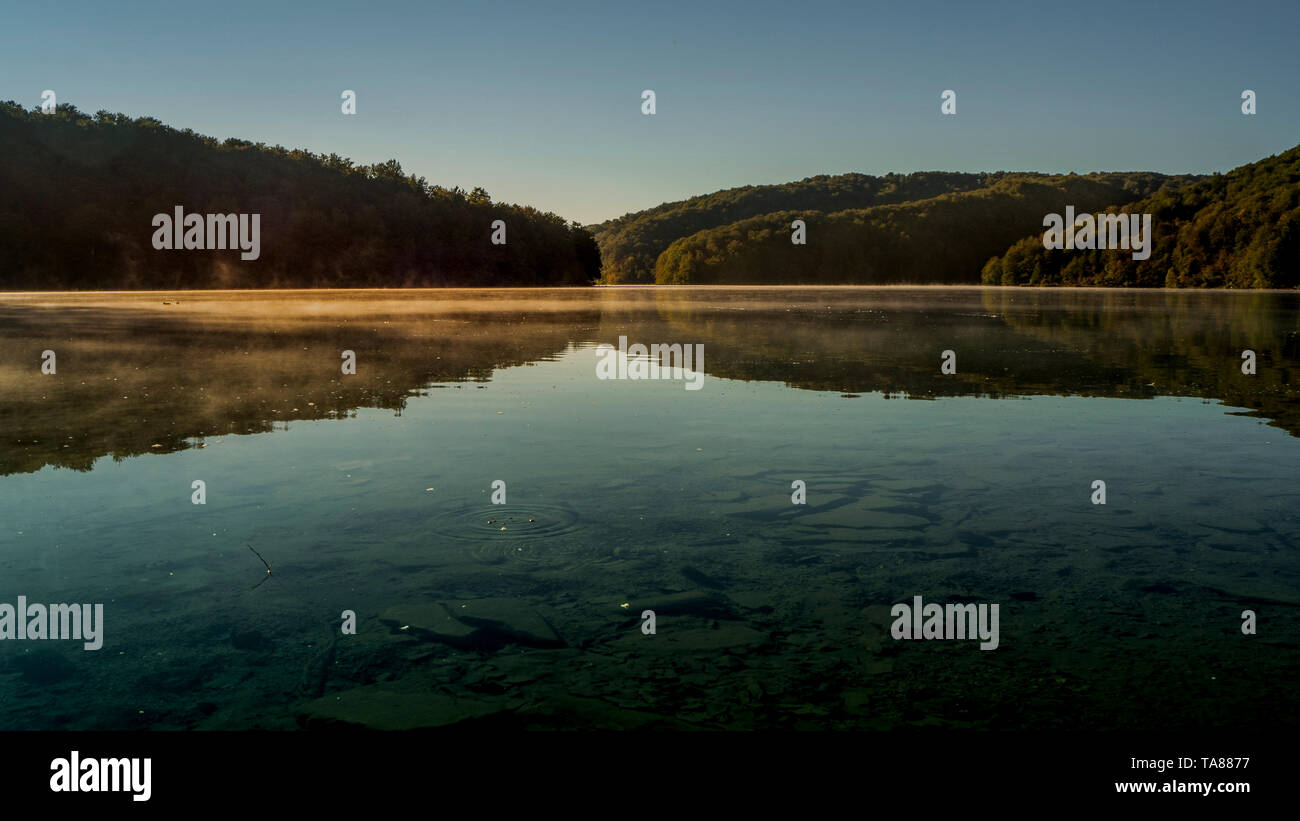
(1187, 343)
(1114, 343)
(129, 380)
(136, 376)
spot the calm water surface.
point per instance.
(372, 493)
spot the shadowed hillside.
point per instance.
(78, 194)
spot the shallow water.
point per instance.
(372, 493)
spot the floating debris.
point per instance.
(258, 555)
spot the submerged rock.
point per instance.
(724, 635)
(474, 624)
(703, 603)
(510, 621)
(430, 622)
(384, 707)
(698, 577)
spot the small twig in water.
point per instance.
(268, 566)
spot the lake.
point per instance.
(373, 492)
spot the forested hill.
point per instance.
(1236, 230)
(630, 244)
(943, 239)
(78, 195)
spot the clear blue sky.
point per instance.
(542, 105)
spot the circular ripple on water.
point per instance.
(521, 540)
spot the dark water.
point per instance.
(372, 493)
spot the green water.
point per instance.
(373, 493)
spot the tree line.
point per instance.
(943, 239)
(78, 194)
(631, 244)
(1234, 230)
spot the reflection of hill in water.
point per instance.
(129, 379)
(134, 373)
(1009, 342)
(1185, 343)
